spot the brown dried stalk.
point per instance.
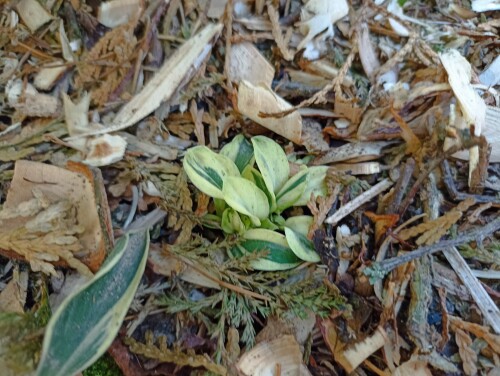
(433, 230)
(278, 36)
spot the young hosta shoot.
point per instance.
(251, 186)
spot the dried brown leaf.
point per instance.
(278, 36)
(432, 231)
(104, 67)
(468, 355)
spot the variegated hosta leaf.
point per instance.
(240, 151)
(292, 190)
(300, 223)
(255, 176)
(231, 222)
(245, 197)
(280, 255)
(86, 323)
(208, 170)
(301, 245)
(272, 162)
(315, 184)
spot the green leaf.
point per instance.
(301, 246)
(240, 151)
(245, 197)
(207, 170)
(292, 190)
(315, 184)
(86, 323)
(300, 223)
(255, 176)
(231, 222)
(272, 162)
(280, 255)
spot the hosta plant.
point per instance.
(252, 187)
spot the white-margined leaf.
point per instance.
(245, 197)
(300, 223)
(301, 245)
(315, 184)
(240, 151)
(86, 323)
(280, 255)
(255, 176)
(207, 170)
(272, 162)
(292, 190)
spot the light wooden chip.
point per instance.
(247, 63)
(33, 14)
(57, 184)
(485, 5)
(172, 75)
(253, 100)
(459, 76)
(118, 12)
(46, 78)
(264, 359)
(492, 134)
(352, 357)
(29, 102)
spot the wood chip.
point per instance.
(33, 14)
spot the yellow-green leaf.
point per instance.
(315, 184)
(301, 246)
(86, 323)
(240, 151)
(272, 162)
(292, 190)
(280, 255)
(207, 170)
(245, 197)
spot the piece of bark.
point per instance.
(46, 78)
(364, 168)
(118, 12)
(353, 356)
(487, 306)
(283, 353)
(79, 184)
(353, 152)
(171, 77)
(33, 14)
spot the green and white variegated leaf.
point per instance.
(315, 184)
(272, 163)
(246, 198)
(255, 176)
(300, 223)
(207, 170)
(292, 190)
(301, 245)
(231, 222)
(280, 255)
(240, 151)
(86, 323)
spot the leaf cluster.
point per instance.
(252, 186)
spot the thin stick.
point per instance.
(488, 308)
(380, 269)
(358, 201)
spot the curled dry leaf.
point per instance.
(253, 100)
